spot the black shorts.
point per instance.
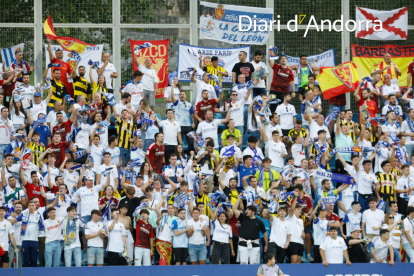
(5, 258)
(180, 254)
(296, 249)
(308, 229)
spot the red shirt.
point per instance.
(144, 234)
(338, 100)
(235, 226)
(24, 65)
(65, 69)
(306, 205)
(34, 191)
(104, 199)
(98, 109)
(332, 217)
(410, 70)
(7, 88)
(59, 151)
(203, 106)
(155, 155)
(63, 129)
(371, 106)
(281, 78)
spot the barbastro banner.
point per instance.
(158, 53)
(227, 58)
(93, 53)
(368, 59)
(325, 59)
(221, 22)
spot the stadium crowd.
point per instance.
(91, 181)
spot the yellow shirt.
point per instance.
(237, 134)
(211, 70)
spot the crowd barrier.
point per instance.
(401, 269)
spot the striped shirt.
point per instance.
(37, 151)
(82, 87)
(211, 70)
(58, 92)
(125, 131)
(388, 184)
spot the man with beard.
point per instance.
(260, 88)
(364, 98)
(64, 69)
(81, 86)
(18, 208)
(393, 105)
(283, 77)
(287, 114)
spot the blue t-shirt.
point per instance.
(180, 241)
(267, 226)
(183, 110)
(44, 133)
(242, 171)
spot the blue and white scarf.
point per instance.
(141, 206)
(181, 199)
(332, 116)
(25, 220)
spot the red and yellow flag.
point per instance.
(67, 43)
(338, 80)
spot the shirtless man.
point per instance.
(126, 220)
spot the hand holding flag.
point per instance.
(95, 64)
(143, 46)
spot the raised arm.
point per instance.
(49, 49)
(193, 79)
(356, 93)
(236, 208)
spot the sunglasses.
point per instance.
(391, 217)
(233, 94)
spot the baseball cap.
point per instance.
(38, 94)
(88, 178)
(355, 228)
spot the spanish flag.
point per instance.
(338, 80)
(67, 43)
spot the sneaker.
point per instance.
(310, 259)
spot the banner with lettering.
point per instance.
(227, 58)
(368, 60)
(325, 59)
(90, 53)
(221, 22)
(158, 53)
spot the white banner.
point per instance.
(221, 22)
(326, 59)
(7, 54)
(90, 53)
(227, 58)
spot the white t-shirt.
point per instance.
(222, 232)
(256, 66)
(365, 181)
(237, 153)
(236, 113)
(270, 128)
(115, 243)
(391, 129)
(53, 231)
(397, 109)
(372, 218)
(334, 250)
(53, 173)
(259, 191)
(167, 94)
(149, 79)
(113, 174)
(92, 228)
(61, 206)
(389, 90)
(17, 119)
(6, 129)
(89, 199)
(170, 131)
(275, 151)
(297, 228)
(51, 118)
(39, 108)
(314, 128)
(385, 154)
(109, 69)
(28, 92)
(103, 135)
(406, 129)
(82, 135)
(298, 154)
(207, 129)
(6, 228)
(280, 231)
(135, 90)
(250, 125)
(380, 249)
(352, 220)
(70, 179)
(14, 170)
(201, 85)
(197, 238)
(241, 93)
(115, 154)
(286, 114)
(96, 153)
(408, 226)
